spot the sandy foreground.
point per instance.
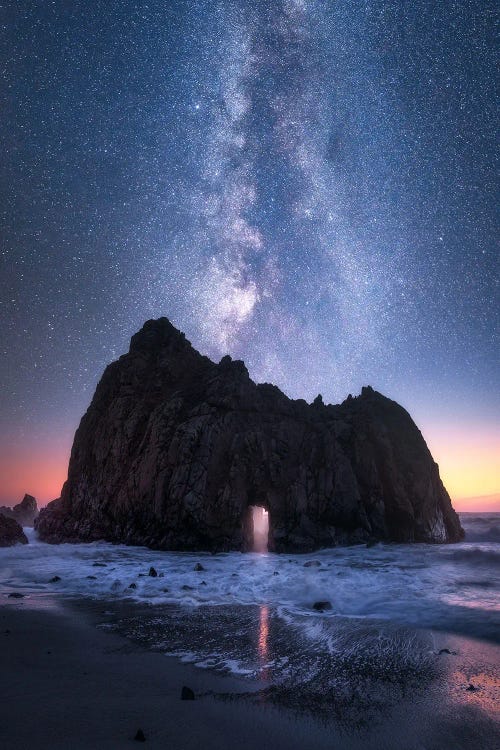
(65, 683)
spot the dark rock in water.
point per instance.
(472, 688)
(444, 651)
(55, 579)
(133, 586)
(16, 595)
(187, 694)
(198, 567)
(11, 533)
(140, 736)
(187, 588)
(99, 565)
(312, 564)
(24, 512)
(175, 448)
(322, 606)
(152, 573)
(91, 578)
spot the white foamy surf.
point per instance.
(450, 587)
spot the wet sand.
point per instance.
(65, 683)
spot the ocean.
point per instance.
(255, 613)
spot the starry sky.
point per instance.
(308, 185)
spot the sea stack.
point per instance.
(174, 449)
(24, 512)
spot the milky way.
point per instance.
(309, 186)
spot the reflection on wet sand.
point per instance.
(263, 648)
(482, 691)
(473, 677)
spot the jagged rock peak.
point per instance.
(174, 449)
(28, 503)
(156, 335)
(236, 366)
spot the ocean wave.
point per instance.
(481, 527)
(422, 585)
(474, 555)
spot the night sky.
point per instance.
(310, 186)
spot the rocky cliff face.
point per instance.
(11, 533)
(24, 512)
(175, 448)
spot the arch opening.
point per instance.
(259, 529)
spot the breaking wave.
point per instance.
(481, 527)
(447, 587)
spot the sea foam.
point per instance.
(449, 587)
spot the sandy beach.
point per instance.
(66, 683)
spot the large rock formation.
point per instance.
(174, 449)
(11, 533)
(24, 512)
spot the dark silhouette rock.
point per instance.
(187, 694)
(198, 567)
(24, 512)
(175, 448)
(55, 579)
(11, 532)
(322, 606)
(16, 595)
(140, 736)
(312, 564)
(472, 688)
(153, 573)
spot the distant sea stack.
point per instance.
(24, 512)
(174, 449)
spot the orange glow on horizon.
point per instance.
(39, 472)
(469, 464)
